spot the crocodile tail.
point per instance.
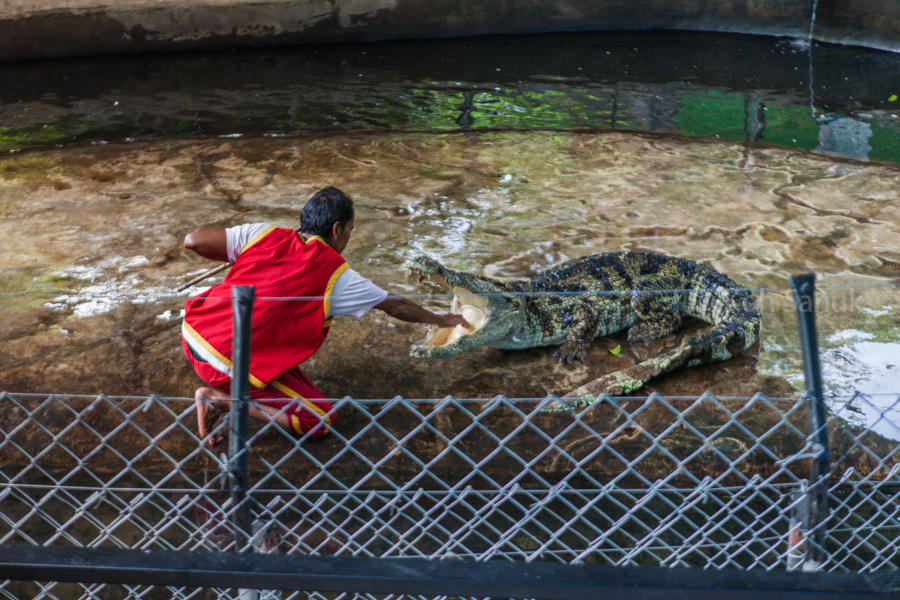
(627, 380)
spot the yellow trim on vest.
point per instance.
(326, 304)
(254, 381)
(283, 388)
(197, 338)
(330, 288)
(313, 407)
(295, 424)
(259, 236)
(318, 238)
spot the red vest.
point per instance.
(285, 331)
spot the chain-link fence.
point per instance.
(705, 482)
(722, 483)
(863, 524)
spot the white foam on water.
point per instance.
(133, 262)
(849, 335)
(108, 287)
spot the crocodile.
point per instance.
(569, 305)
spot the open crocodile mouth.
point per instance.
(474, 309)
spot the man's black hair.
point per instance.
(323, 209)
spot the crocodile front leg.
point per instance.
(581, 320)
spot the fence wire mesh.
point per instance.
(863, 530)
(705, 482)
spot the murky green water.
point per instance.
(825, 99)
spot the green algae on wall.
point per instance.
(710, 86)
(724, 115)
(703, 113)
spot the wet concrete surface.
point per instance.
(92, 248)
(92, 254)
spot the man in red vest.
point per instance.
(301, 282)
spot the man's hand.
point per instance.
(451, 320)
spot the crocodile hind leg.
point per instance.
(658, 314)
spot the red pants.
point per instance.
(289, 392)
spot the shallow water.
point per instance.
(502, 154)
(97, 279)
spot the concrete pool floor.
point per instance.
(91, 248)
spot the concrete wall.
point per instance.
(31, 29)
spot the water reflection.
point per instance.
(862, 365)
(739, 88)
(862, 377)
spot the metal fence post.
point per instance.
(242, 308)
(816, 497)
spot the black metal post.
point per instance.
(242, 308)
(804, 288)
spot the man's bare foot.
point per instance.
(210, 404)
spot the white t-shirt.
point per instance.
(353, 295)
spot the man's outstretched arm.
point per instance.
(407, 310)
(208, 242)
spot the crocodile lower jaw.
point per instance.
(473, 308)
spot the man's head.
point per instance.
(329, 215)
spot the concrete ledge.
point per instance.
(35, 29)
